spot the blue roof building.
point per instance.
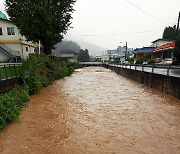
(3, 16)
(143, 50)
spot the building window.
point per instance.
(1, 33)
(27, 49)
(10, 31)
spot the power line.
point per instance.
(175, 22)
(146, 12)
(111, 35)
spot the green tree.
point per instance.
(143, 58)
(130, 60)
(169, 33)
(44, 20)
(177, 51)
(83, 56)
(116, 60)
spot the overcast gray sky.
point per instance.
(107, 23)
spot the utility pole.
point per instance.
(178, 26)
(126, 52)
(39, 47)
(177, 32)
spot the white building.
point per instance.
(160, 42)
(124, 52)
(68, 54)
(111, 53)
(103, 58)
(12, 44)
(121, 52)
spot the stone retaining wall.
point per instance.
(167, 84)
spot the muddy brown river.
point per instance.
(95, 111)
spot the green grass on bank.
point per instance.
(37, 72)
(11, 104)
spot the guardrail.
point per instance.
(158, 69)
(89, 63)
(162, 78)
(10, 70)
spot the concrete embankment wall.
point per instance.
(6, 85)
(167, 84)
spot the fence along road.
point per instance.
(10, 70)
(156, 69)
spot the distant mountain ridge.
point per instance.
(93, 49)
(76, 45)
(67, 45)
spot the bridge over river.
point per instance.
(96, 111)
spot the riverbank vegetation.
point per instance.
(83, 56)
(11, 104)
(37, 71)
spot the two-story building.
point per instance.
(161, 50)
(122, 52)
(12, 44)
(68, 54)
(164, 49)
(160, 42)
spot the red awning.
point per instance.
(165, 47)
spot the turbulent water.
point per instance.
(96, 111)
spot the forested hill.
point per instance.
(70, 45)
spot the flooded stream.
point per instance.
(96, 111)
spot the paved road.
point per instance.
(96, 111)
(174, 71)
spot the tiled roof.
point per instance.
(144, 49)
(165, 47)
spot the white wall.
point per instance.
(2, 57)
(25, 52)
(160, 42)
(4, 24)
(68, 55)
(17, 45)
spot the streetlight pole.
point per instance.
(119, 52)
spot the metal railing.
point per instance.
(9, 51)
(168, 70)
(10, 70)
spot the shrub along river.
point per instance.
(95, 111)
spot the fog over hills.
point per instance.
(93, 49)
